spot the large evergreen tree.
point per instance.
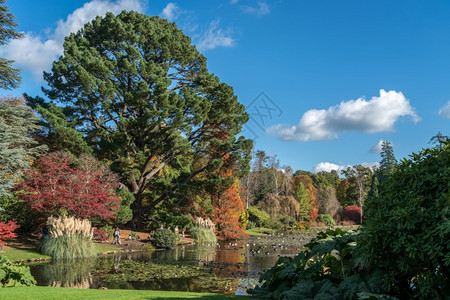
(145, 101)
(301, 194)
(18, 149)
(9, 76)
(388, 161)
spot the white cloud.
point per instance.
(36, 53)
(444, 111)
(375, 115)
(379, 146)
(260, 10)
(170, 12)
(328, 166)
(214, 37)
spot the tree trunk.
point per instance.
(136, 207)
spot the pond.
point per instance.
(229, 267)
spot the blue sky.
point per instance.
(324, 81)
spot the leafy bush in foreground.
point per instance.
(164, 239)
(402, 251)
(406, 232)
(328, 269)
(14, 274)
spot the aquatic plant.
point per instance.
(181, 275)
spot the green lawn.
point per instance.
(29, 252)
(259, 231)
(106, 247)
(72, 293)
(22, 253)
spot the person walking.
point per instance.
(116, 239)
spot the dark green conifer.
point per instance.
(9, 76)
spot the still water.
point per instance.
(228, 267)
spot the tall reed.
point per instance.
(204, 235)
(205, 223)
(69, 238)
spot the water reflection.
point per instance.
(74, 273)
(240, 263)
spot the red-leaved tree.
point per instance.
(7, 231)
(353, 213)
(227, 203)
(61, 185)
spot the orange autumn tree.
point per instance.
(225, 199)
(228, 206)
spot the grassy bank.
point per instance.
(28, 252)
(262, 231)
(259, 231)
(70, 293)
(23, 253)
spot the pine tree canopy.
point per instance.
(9, 76)
(146, 101)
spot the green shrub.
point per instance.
(164, 239)
(259, 217)
(67, 246)
(327, 269)
(406, 232)
(326, 219)
(251, 225)
(14, 274)
(274, 224)
(287, 220)
(12, 208)
(203, 235)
